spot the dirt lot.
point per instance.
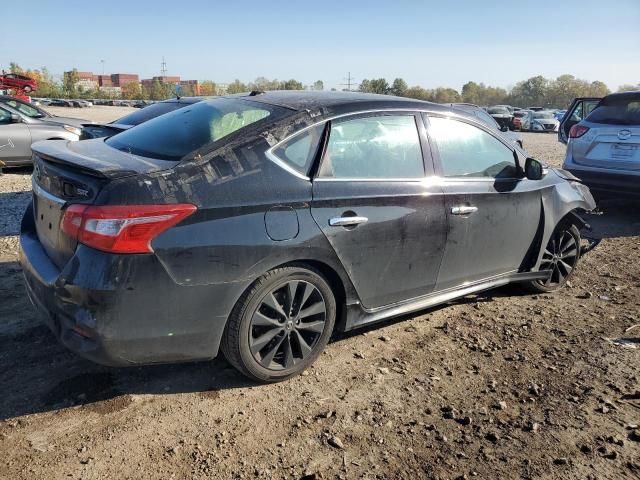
(496, 386)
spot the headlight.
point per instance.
(74, 130)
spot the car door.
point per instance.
(384, 220)
(15, 138)
(579, 109)
(493, 214)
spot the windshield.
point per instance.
(499, 110)
(152, 111)
(26, 109)
(174, 135)
(543, 115)
(617, 110)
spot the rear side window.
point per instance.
(467, 151)
(176, 134)
(298, 152)
(617, 110)
(384, 147)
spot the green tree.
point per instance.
(236, 87)
(445, 95)
(530, 92)
(418, 93)
(208, 88)
(291, 85)
(132, 91)
(69, 83)
(399, 87)
(628, 88)
(318, 85)
(365, 86)
(472, 93)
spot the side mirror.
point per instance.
(504, 128)
(15, 118)
(533, 169)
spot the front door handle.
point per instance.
(463, 210)
(347, 221)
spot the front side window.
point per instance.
(298, 152)
(28, 110)
(385, 146)
(176, 134)
(467, 151)
(5, 117)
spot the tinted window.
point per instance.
(499, 110)
(467, 151)
(174, 135)
(152, 111)
(299, 151)
(28, 110)
(618, 110)
(5, 117)
(544, 115)
(374, 147)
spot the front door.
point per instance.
(385, 222)
(15, 139)
(493, 213)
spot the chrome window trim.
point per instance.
(412, 111)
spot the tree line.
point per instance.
(534, 91)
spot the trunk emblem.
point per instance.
(624, 134)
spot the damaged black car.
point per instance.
(261, 224)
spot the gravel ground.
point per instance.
(497, 386)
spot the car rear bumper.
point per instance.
(121, 310)
(601, 180)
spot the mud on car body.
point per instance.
(262, 223)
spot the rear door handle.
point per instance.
(347, 221)
(463, 210)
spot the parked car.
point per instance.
(488, 120)
(18, 131)
(501, 114)
(540, 121)
(33, 111)
(135, 118)
(15, 81)
(535, 109)
(261, 224)
(604, 148)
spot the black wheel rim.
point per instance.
(560, 257)
(287, 325)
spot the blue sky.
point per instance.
(428, 43)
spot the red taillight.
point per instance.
(122, 228)
(577, 131)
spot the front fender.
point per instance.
(565, 200)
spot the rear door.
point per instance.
(385, 222)
(579, 109)
(493, 214)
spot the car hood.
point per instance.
(74, 122)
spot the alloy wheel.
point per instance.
(560, 256)
(287, 324)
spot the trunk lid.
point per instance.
(608, 146)
(75, 172)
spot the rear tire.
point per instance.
(280, 325)
(561, 256)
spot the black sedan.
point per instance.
(263, 223)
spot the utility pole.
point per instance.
(102, 62)
(350, 80)
(163, 68)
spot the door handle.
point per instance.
(347, 221)
(463, 210)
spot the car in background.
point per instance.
(280, 218)
(19, 82)
(603, 149)
(18, 131)
(559, 114)
(33, 111)
(535, 109)
(489, 121)
(540, 121)
(501, 114)
(135, 118)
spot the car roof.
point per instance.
(188, 100)
(301, 100)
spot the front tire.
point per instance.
(561, 256)
(281, 324)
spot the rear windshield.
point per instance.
(499, 110)
(176, 134)
(152, 111)
(618, 110)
